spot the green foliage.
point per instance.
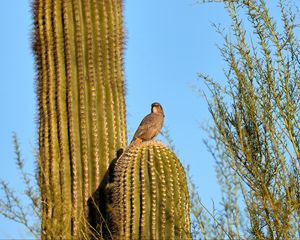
(10, 205)
(150, 199)
(256, 131)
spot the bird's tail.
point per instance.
(135, 141)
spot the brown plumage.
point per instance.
(151, 125)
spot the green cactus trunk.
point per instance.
(150, 195)
(78, 49)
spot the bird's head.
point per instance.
(157, 108)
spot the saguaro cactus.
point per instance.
(150, 195)
(78, 48)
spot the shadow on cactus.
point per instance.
(99, 214)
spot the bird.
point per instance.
(150, 126)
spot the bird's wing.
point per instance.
(146, 123)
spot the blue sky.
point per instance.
(167, 43)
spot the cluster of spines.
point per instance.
(78, 48)
(150, 196)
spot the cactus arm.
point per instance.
(151, 184)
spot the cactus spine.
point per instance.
(150, 195)
(78, 49)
